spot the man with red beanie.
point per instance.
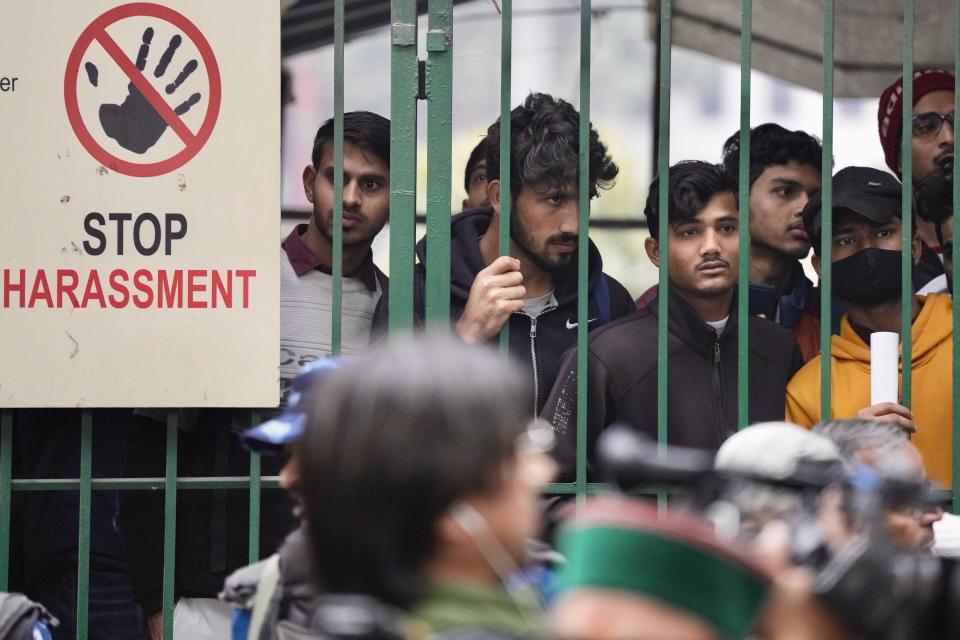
(932, 153)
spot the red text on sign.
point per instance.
(120, 288)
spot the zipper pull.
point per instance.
(716, 352)
(533, 327)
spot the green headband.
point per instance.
(714, 588)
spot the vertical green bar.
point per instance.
(253, 549)
(506, 53)
(826, 212)
(743, 299)
(336, 323)
(6, 502)
(906, 338)
(955, 276)
(583, 264)
(170, 524)
(83, 543)
(439, 159)
(663, 206)
(404, 85)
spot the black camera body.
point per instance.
(877, 591)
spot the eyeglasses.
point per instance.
(926, 125)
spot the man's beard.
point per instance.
(542, 260)
(942, 166)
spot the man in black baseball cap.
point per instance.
(868, 193)
(865, 200)
(866, 261)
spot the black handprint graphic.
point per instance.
(135, 124)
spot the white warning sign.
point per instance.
(139, 181)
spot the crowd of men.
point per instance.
(411, 471)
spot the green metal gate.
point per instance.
(439, 87)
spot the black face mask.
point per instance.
(869, 277)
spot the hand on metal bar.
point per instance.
(496, 293)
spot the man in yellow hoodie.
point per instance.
(866, 255)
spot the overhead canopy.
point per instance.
(308, 24)
(787, 35)
(787, 38)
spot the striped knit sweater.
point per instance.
(305, 318)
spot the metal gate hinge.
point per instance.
(403, 34)
(439, 40)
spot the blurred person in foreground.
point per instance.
(634, 571)
(421, 484)
(774, 450)
(280, 588)
(212, 527)
(887, 448)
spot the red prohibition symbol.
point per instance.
(157, 113)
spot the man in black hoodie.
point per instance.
(703, 227)
(533, 290)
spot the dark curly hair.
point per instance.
(545, 147)
(771, 144)
(692, 184)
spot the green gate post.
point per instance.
(826, 217)
(956, 300)
(663, 239)
(506, 77)
(439, 159)
(6, 502)
(336, 311)
(906, 202)
(583, 242)
(663, 205)
(404, 71)
(170, 524)
(743, 290)
(253, 542)
(83, 543)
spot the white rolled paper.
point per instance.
(884, 358)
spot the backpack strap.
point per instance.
(600, 294)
